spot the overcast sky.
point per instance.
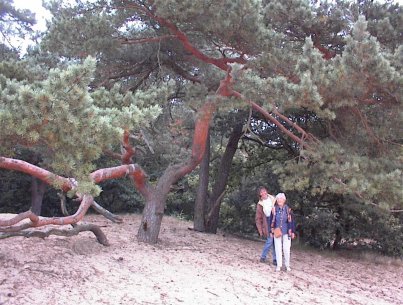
(35, 6)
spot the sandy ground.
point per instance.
(185, 267)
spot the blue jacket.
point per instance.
(282, 217)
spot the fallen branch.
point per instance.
(25, 215)
(101, 237)
(43, 221)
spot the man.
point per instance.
(262, 218)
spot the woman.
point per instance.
(283, 230)
(262, 218)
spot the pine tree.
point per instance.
(279, 59)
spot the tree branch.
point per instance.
(104, 212)
(101, 237)
(222, 63)
(43, 221)
(64, 184)
(129, 151)
(25, 215)
(144, 40)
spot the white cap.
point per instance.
(280, 195)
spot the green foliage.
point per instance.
(180, 202)
(367, 227)
(319, 227)
(59, 118)
(119, 196)
(86, 31)
(238, 216)
(14, 187)
(389, 235)
(234, 20)
(340, 172)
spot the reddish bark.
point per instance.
(129, 150)
(43, 221)
(225, 85)
(35, 171)
(10, 222)
(200, 208)
(155, 202)
(326, 53)
(221, 63)
(65, 184)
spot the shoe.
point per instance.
(262, 260)
(278, 269)
(288, 269)
(275, 263)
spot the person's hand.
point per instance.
(293, 235)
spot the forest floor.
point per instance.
(185, 267)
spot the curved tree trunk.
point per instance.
(156, 196)
(214, 202)
(201, 196)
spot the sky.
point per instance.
(40, 13)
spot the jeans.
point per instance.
(269, 244)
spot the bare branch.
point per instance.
(112, 217)
(25, 215)
(101, 237)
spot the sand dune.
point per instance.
(185, 267)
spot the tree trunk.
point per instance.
(38, 188)
(201, 196)
(151, 221)
(337, 240)
(214, 202)
(156, 197)
(338, 237)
